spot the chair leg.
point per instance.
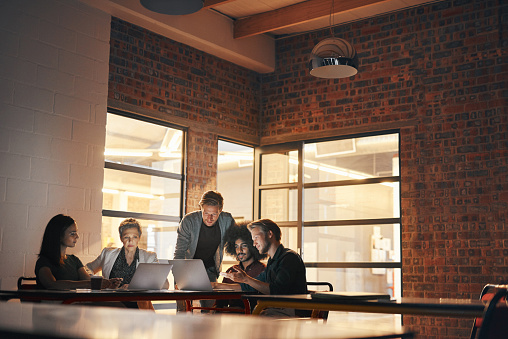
(473, 331)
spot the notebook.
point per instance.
(149, 276)
(350, 295)
(190, 275)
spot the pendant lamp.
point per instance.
(173, 7)
(333, 57)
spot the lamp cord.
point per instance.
(331, 19)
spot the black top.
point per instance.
(121, 269)
(285, 273)
(67, 271)
(208, 242)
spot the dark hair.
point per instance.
(240, 231)
(266, 225)
(55, 229)
(212, 198)
(129, 223)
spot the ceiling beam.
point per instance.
(213, 3)
(293, 15)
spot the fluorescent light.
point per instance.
(119, 153)
(140, 195)
(110, 191)
(170, 155)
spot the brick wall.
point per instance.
(439, 74)
(160, 78)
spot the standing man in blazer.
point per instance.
(201, 235)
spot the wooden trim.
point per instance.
(293, 15)
(213, 3)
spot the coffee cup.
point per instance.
(96, 282)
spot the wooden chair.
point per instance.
(495, 317)
(27, 283)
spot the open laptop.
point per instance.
(149, 276)
(190, 275)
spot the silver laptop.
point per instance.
(150, 276)
(190, 275)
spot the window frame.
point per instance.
(152, 172)
(300, 224)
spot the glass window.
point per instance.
(279, 168)
(235, 177)
(348, 225)
(279, 204)
(143, 180)
(143, 144)
(355, 158)
(348, 184)
(366, 243)
(356, 279)
(371, 201)
(141, 193)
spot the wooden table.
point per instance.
(417, 306)
(31, 320)
(86, 295)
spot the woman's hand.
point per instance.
(111, 283)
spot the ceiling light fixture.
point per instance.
(333, 57)
(173, 7)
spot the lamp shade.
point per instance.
(333, 58)
(173, 7)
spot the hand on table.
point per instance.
(111, 283)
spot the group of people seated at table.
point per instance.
(203, 234)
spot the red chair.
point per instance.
(487, 294)
(495, 317)
(27, 283)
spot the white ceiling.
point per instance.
(244, 31)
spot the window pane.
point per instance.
(356, 158)
(366, 243)
(138, 143)
(235, 178)
(157, 236)
(370, 201)
(358, 279)
(289, 237)
(132, 192)
(278, 168)
(279, 204)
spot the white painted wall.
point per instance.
(54, 57)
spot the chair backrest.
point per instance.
(27, 283)
(495, 317)
(317, 313)
(320, 283)
(487, 293)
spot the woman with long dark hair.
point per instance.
(57, 270)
